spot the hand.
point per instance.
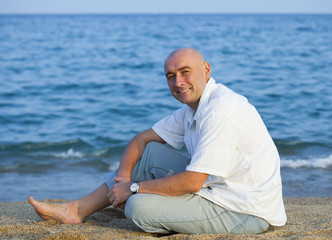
(120, 192)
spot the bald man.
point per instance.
(229, 183)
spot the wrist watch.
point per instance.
(134, 187)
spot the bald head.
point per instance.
(190, 52)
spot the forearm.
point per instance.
(134, 151)
(175, 185)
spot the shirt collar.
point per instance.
(203, 102)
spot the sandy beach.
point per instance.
(308, 218)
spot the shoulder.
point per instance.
(225, 101)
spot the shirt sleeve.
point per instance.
(171, 128)
(218, 139)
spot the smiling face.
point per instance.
(187, 75)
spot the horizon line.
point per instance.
(165, 13)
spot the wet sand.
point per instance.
(308, 218)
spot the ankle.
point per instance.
(74, 207)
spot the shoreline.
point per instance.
(308, 217)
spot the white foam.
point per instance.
(69, 154)
(308, 163)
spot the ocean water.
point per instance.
(74, 89)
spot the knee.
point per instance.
(150, 150)
(152, 145)
(142, 213)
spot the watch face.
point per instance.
(134, 187)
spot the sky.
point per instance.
(169, 6)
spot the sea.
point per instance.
(74, 89)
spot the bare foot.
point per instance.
(62, 213)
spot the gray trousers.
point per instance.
(188, 213)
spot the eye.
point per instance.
(170, 77)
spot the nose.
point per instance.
(178, 81)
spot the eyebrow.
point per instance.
(180, 69)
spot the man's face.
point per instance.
(187, 75)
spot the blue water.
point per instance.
(74, 89)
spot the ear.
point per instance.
(207, 70)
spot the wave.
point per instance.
(46, 146)
(28, 157)
(71, 153)
(295, 147)
(323, 163)
(297, 143)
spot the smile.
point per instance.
(184, 91)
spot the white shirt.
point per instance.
(227, 139)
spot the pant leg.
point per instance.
(158, 160)
(188, 213)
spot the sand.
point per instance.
(308, 218)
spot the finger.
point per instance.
(122, 206)
(110, 193)
(111, 200)
(115, 203)
(119, 179)
(111, 188)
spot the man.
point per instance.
(230, 183)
